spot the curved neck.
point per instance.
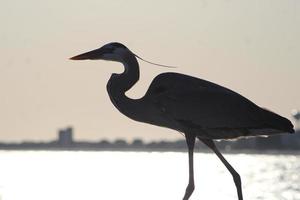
(118, 84)
(130, 76)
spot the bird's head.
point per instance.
(112, 51)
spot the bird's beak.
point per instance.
(91, 55)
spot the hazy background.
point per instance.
(251, 47)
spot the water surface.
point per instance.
(48, 175)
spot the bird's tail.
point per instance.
(278, 122)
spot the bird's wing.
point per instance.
(201, 103)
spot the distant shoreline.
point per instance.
(161, 150)
(277, 144)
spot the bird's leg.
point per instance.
(190, 140)
(235, 175)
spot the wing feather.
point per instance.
(202, 103)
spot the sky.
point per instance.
(251, 47)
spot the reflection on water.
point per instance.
(118, 175)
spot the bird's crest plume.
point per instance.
(168, 66)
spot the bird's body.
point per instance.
(195, 107)
(208, 110)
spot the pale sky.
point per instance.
(252, 47)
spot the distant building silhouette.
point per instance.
(65, 136)
(65, 141)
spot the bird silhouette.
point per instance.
(195, 107)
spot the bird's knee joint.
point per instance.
(190, 188)
(237, 178)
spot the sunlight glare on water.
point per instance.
(79, 175)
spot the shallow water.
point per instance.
(48, 175)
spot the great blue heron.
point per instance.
(195, 107)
